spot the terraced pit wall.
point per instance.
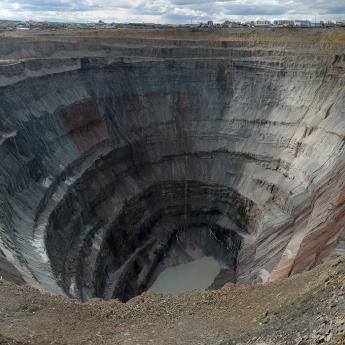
(116, 144)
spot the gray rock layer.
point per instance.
(114, 144)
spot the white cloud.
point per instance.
(163, 11)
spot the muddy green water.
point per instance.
(198, 274)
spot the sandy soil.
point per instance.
(306, 309)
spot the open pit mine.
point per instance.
(125, 153)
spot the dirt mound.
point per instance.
(306, 309)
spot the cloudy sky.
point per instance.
(169, 11)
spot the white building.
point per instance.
(284, 22)
(340, 23)
(262, 22)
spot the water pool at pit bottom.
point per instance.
(197, 274)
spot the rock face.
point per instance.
(125, 152)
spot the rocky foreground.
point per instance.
(306, 309)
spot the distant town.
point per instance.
(6, 25)
(277, 23)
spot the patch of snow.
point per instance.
(69, 181)
(38, 243)
(47, 181)
(5, 136)
(264, 275)
(72, 288)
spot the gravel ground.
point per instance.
(306, 309)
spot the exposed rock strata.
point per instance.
(113, 144)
